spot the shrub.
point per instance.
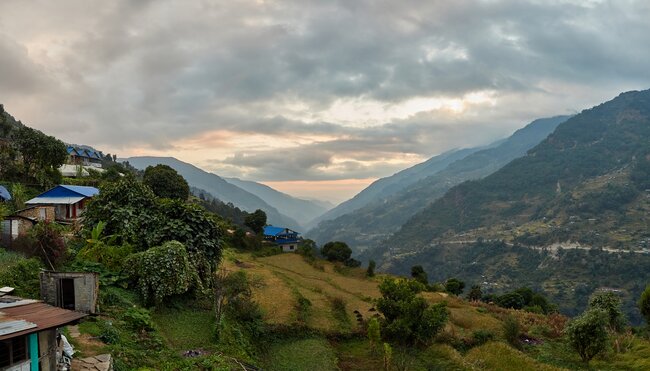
(511, 300)
(139, 319)
(374, 334)
(165, 182)
(336, 251)
(418, 273)
(370, 272)
(482, 336)
(512, 331)
(611, 304)
(303, 305)
(644, 304)
(20, 273)
(409, 319)
(475, 293)
(587, 333)
(161, 272)
(454, 286)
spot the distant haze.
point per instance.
(314, 98)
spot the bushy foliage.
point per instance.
(256, 221)
(418, 273)
(511, 300)
(611, 304)
(136, 216)
(162, 272)
(45, 241)
(370, 272)
(101, 249)
(374, 334)
(587, 334)
(128, 208)
(475, 293)
(454, 286)
(166, 182)
(512, 331)
(408, 318)
(20, 273)
(40, 155)
(644, 304)
(336, 251)
(139, 319)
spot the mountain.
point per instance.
(217, 187)
(387, 186)
(570, 216)
(296, 208)
(367, 226)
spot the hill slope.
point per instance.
(297, 209)
(217, 187)
(569, 217)
(367, 226)
(387, 186)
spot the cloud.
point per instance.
(291, 90)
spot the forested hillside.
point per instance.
(367, 226)
(218, 188)
(585, 187)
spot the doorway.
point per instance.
(66, 295)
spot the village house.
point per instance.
(28, 333)
(23, 220)
(286, 238)
(80, 161)
(68, 201)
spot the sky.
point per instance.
(315, 98)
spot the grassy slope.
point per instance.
(329, 343)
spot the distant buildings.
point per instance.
(80, 161)
(286, 238)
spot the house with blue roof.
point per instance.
(286, 238)
(84, 156)
(68, 201)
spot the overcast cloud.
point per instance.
(311, 90)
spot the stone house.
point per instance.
(76, 291)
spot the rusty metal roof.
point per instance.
(44, 316)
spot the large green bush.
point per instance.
(162, 272)
(587, 334)
(408, 318)
(20, 273)
(611, 304)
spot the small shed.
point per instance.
(76, 291)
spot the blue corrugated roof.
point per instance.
(65, 190)
(4, 194)
(82, 190)
(270, 230)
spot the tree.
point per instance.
(370, 272)
(41, 154)
(475, 293)
(418, 273)
(256, 221)
(611, 304)
(454, 286)
(165, 182)
(511, 300)
(588, 333)
(644, 304)
(374, 334)
(336, 251)
(408, 318)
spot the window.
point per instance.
(13, 351)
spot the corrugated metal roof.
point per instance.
(4, 194)
(82, 190)
(54, 200)
(11, 326)
(270, 230)
(43, 315)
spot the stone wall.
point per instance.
(86, 289)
